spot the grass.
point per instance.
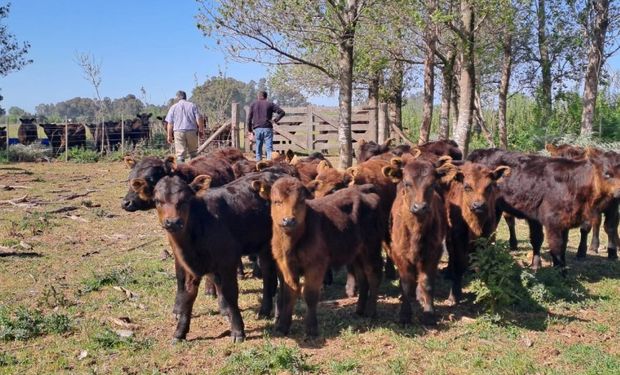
(70, 288)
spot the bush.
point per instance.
(267, 359)
(108, 339)
(30, 153)
(121, 276)
(81, 155)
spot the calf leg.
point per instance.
(288, 296)
(186, 304)
(612, 217)
(350, 287)
(407, 285)
(389, 268)
(372, 272)
(362, 287)
(583, 241)
(457, 263)
(596, 233)
(180, 295)
(270, 283)
(210, 289)
(511, 223)
(230, 293)
(557, 239)
(312, 289)
(536, 239)
(216, 281)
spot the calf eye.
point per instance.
(468, 188)
(408, 184)
(607, 175)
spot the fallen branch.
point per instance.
(402, 135)
(142, 244)
(76, 195)
(63, 209)
(13, 187)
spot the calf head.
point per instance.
(478, 185)
(173, 197)
(328, 180)
(371, 148)
(288, 202)
(27, 120)
(418, 181)
(143, 177)
(607, 167)
(566, 151)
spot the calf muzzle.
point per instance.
(478, 207)
(173, 224)
(288, 223)
(128, 205)
(419, 208)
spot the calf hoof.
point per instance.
(536, 262)
(452, 301)
(237, 337)
(263, 313)
(593, 249)
(176, 341)
(428, 319)
(176, 316)
(612, 254)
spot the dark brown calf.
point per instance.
(209, 230)
(310, 235)
(418, 230)
(471, 196)
(554, 193)
(3, 138)
(76, 134)
(307, 167)
(27, 131)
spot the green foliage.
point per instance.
(497, 281)
(267, 359)
(549, 285)
(117, 276)
(7, 360)
(347, 366)
(34, 223)
(81, 155)
(30, 153)
(109, 340)
(25, 324)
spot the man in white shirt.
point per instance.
(185, 126)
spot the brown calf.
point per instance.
(27, 131)
(3, 137)
(310, 235)
(418, 231)
(471, 195)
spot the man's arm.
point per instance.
(279, 113)
(248, 122)
(169, 126)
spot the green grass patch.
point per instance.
(24, 324)
(267, 359)
(117, 276)
(107, 339)
(81, 155)
(347, 366)
(591, 359)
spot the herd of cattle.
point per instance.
(133, 130)
(301, 217)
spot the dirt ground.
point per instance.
(68, 249)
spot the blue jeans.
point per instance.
(263, 136)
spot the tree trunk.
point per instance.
(395, 98)
(455, 93)
(430, 36)
(466, 81)
(596, 37)
(503, 90)
(345, 95)
(446, 93)
(545, 61)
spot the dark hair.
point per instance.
(181, 95)
(262, 94)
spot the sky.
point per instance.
(153, 44)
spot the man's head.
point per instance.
(262, 94)
(181, 95)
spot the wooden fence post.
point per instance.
(383, 131)
(234, 128)
(372, 124)
(310, 129)
(66, 140)
(122, 134)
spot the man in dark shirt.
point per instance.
(259, 123)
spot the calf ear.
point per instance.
(443, 160)
(361, 142)
(551, 148)
(323, 166)
(200, 183)
(289, 155)
(130, 162)
(448, 172)
(500, 172)
(388, 142)
(415, 153)
(393, 172)
(294, 160)
(397, 162)
(592, 153)
(170, 164)
(262, 165)
(350, 174)
(138, 185)
(262, 188)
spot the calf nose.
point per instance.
(173, 224)
(419, 208)
(289, 222)
(478, 205)
(127, 205)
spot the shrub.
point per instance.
(120, 276)
(267, 359)
(30, 153)
(81, 155)
(25, 324)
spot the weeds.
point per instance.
(30, 153)
(33, 223)
(50, 297)
(267, 359)
(81, 155)
(119, 276)
(7, 360)
(25, 324)
(110, 340)
(347, 366)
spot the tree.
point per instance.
(302, 33)
(281, 90)
(597, 13)
(215, 96)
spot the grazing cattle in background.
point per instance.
(418, 231)
(555, 193)
(138, 128)
(27, 131)
(310, 235)
(209, 229)
(112, 136)
(3, 137)
(471, 195)
(76, 134)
